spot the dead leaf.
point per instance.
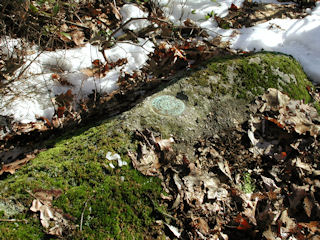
(64, 27)
(94, 12)
(60, 111)
(299, 192)
(96, 63)
(269, 183)
(293, 114)
(115, 11)
(305, 166)
(289, 224)
(174, 230)
(224, 167)
(250, 208)
(65, 99)
(78, 37)
(201, 224)
(190, 23)
(269, 234)
(52, 219)
(46, 196)
(307, 204)
(199, 186)
(165, 144)
(147, 161)
(89, 72)
(233, 7)
(14, 166)
(55, 76)
(313, 226)
(119, 62)
(36, 205)
(46, 120)
(275, 119)
(243, 223)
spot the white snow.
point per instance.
(130, 11)
(31, 95)
(297, 37)
(33, 92)
(196, 10)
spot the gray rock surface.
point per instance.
(216, 96)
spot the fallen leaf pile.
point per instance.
(280, 125)
(239, 186)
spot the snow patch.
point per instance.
(129, 11)
(296, 37)
(33, 91)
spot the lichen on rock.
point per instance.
(167, 105)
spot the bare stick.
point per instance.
(13, 220)
(125, 23)
(82, 214)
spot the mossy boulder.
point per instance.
(119, 202)
(216, 96)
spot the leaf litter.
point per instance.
(207, 196)
(257, 181)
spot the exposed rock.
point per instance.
(216, 96)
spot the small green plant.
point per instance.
(209, 15)
(248, 185)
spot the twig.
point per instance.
(23, 70)
(82, 214)
(125, 23)
(73, 23)
(14, 220)
(138, 18)
(28, 191)
(63, 20)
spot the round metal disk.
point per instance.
(168, 105)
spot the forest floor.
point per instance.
(259, 179)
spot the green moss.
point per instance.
(21, 230)
(317, 106)
(247, 185)
(117, 206)
(248, 76)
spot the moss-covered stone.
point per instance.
(249, 76)
(216, 95)
(118, 204)
(118, 201)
